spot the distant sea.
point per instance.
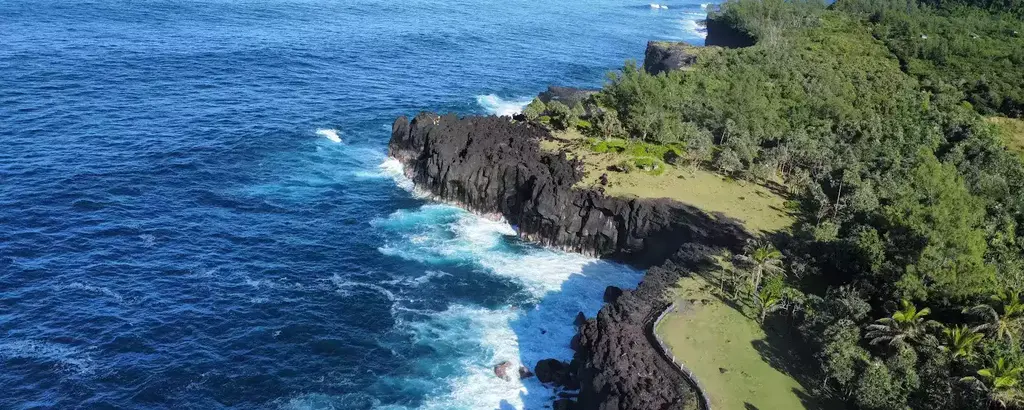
(197, 211)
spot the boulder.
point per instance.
(524, 373)
(611, 294)
(551, 371)
(501, 370)
(580, 319)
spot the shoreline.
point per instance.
(492, 165)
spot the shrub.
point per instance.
(534, 109)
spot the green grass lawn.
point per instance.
(757, 207)
(729, 353)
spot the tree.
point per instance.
(761, 258)
(562, 117)
(906, 325)
(770, 297)
(1003, 323)
(534, 109)
(1000, 381)
(961, 341)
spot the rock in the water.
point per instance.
(611, 294)
(580, 319)
(665, 56)
(501, 370)
(524, 373)
(551, 371)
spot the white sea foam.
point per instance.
(560, 285)
(705, 5)
(392, 168)
(418, 280)
(97, 289)
(694, 28)
(659, 6)
(499, 106)
(67, 357)
(329, 134)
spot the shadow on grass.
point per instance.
(779, 349)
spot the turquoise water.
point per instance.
(196, 210)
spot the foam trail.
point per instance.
(499, 106)
(68, 357)
(329, 134)
(695, 29)
(557, 285)
(393, 168)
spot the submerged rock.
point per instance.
(524, 373)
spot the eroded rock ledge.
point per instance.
(494, 164)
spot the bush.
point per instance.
(534, 109)
(562, 117)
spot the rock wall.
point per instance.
(494, 164)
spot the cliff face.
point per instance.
(492, 164)
(664, 56)
(722, 33)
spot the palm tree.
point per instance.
(907, 324)
(1004, 324)
(1001, 381)
(960, 341)
(763, 258)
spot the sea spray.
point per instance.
(556, 286)
(498, 106)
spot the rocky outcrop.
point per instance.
(566, 95)
(494, 165)
(722, 33)
(665, 56)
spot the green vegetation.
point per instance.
(758, 208)
(1011, 132)
(898, 285)
(720, 346)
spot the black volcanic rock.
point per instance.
(665, 56)
(551, 371)
(611, 294)
(494, 165)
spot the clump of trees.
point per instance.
(905, 267)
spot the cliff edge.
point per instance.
(495, 165)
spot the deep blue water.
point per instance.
(179, 230)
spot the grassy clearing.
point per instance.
(1011, 131)
(756, 206)
(728, 352)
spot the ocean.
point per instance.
(197, 210)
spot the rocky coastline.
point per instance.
(495, 165)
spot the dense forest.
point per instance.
(903, 276)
